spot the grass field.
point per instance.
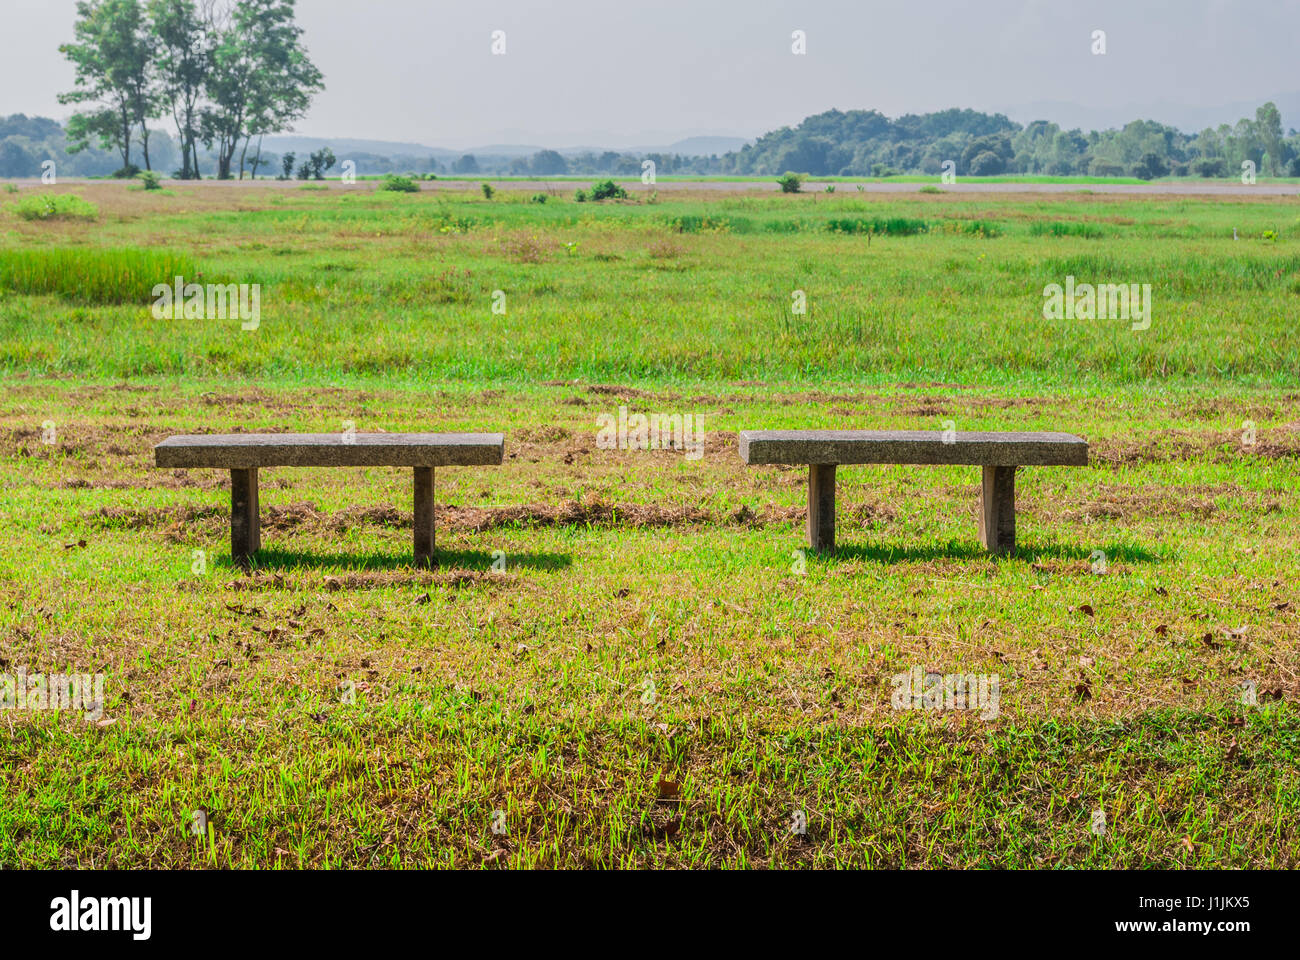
(623, 658)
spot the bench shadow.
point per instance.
(275, 558)
(1025, 552)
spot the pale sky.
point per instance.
(616, 73)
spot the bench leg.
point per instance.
(998, 510)
(245, 521)
(424, 517)
(821, 507)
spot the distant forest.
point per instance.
(867, 143)
(835, 143)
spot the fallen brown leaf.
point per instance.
(669, 791)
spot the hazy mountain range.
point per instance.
(690, 146)
(1189, 118)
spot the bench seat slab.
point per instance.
(912, 447)
(244, 450)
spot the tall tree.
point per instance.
(184, 56)
(1268, 127)
(261, 78)
(112, 57)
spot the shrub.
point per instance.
(11, 188)
(607, 190)
(126, 173)
(790, 182)
(487, 191)
(94, 275)
(929, 188)
(56, 206)
(580, 196)
(540, 198)
(830, 188)
(1151, 165)
(1210, 167)
(398, 184)
(150, 180)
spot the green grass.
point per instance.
(961, 300)
(658, 676)
(92, 276)
(1060, 228)
(52, 206)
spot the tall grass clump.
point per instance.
(92, 276)
(56, 206)
(896, 226)
(1065, 228)
(692, 223)
(974, 228)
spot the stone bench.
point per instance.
(998, 453)
(244, 453)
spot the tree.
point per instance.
(1211, 167)
(112, 58)
(1268, 128)
(986, 164)
(999, 146)
(287, 78)
(15, 161)
(548, 163)
(1151, 165)
(286, 164)
(314, 167)
(184, 56)
(260, 80)
(466, 164)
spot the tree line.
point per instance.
(867, 143)
(226, 72)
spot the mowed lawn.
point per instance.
(624, 659)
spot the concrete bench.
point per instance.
(244, 453)
(998, 453)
